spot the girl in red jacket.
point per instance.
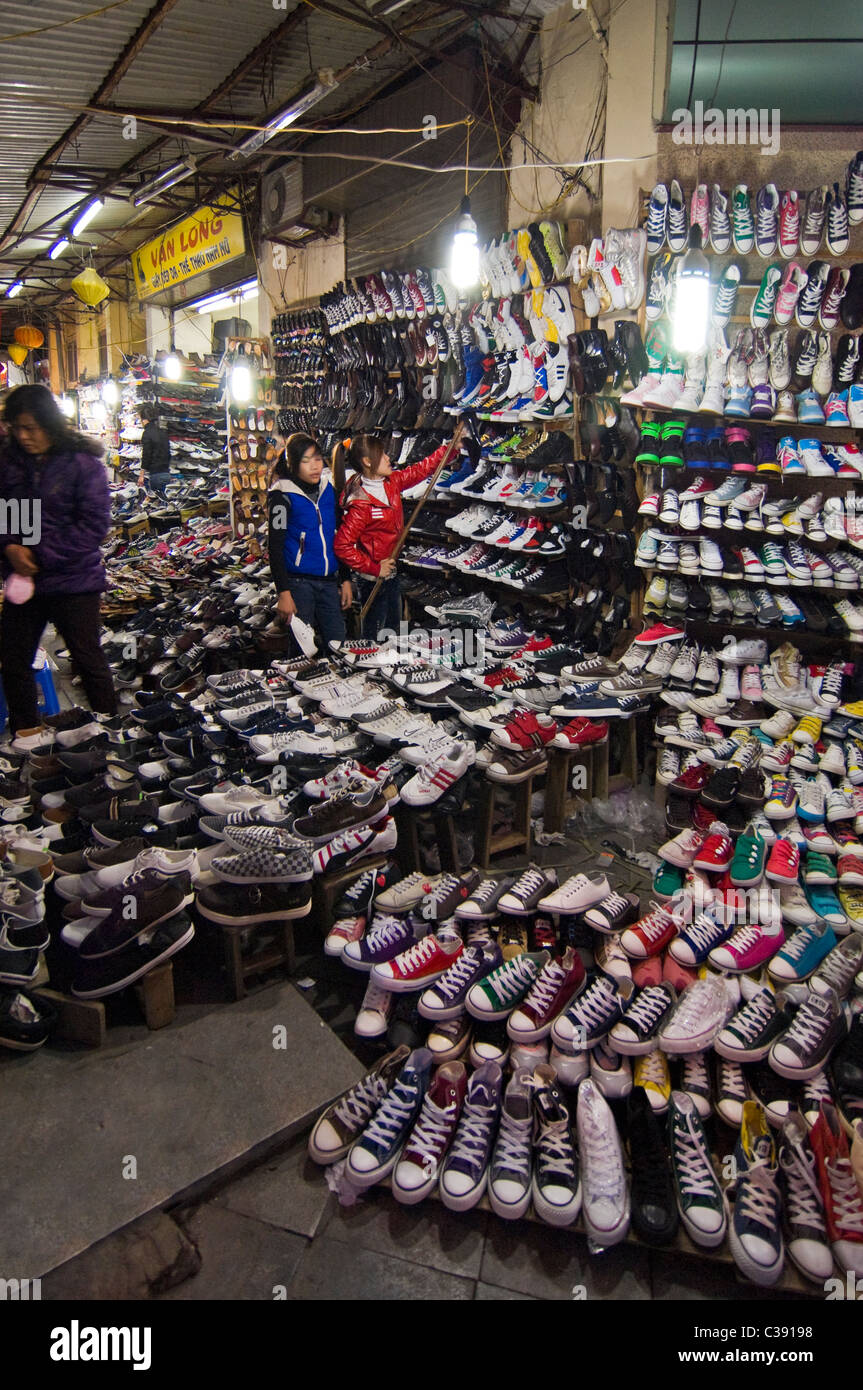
(373, 521)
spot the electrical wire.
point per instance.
(64, 23)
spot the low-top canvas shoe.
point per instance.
(591, 1015)
(377, 1150)
(497, 994)
(525, 894)
(576, 894)
(446, 998)
(421, 964)
(652, 933)
(617, 911)
(552, 991)
(802, 953)
(700, 1014)
(748, 949)
(696, 939)
(416, 1172)
(635, 1033)
(699, 1193)
(605, 1193)
(343, 1121)
(801, 1051)
(748, 1036)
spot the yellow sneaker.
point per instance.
(854, 709)
(651, 1072)
(755, 1143)
(851, 902)
(808, 730)
(527, 256)
(513, 940)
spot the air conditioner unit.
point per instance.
(282, 199)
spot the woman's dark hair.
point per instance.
(288, 463)
(39, 402)
(352, 452)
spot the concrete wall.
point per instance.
(289, 277)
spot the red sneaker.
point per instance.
(580, 733)
(843, 1204)
(660, 632)
(525, 730)
(716, 852)
(783, 866)
(651, 935)
(692, 779)
(550, 994)
(424, 963)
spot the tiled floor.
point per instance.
(278, 1233)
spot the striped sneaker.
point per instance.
(435, 778)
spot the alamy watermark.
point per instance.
(736, 126)
(22, 517)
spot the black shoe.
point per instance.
(358, 900)
(654, 1206)
(25, 1020)
(97, 978)
(846, 1071)
(722, 788)
(236, 905)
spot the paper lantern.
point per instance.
(90, 287)
(18, 353)
(29, 335)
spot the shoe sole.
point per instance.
(254, 919)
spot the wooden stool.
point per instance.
(240, 966)
(409, 845)
(155, 993)
(628, 742)
(559, 800)
(517, 838)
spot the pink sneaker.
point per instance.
(748, 948)
(348, 929)
(647, 972)
(750, 685)
(675, 974)
(789, 226)
(699, 211)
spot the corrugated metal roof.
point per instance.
(48, 71)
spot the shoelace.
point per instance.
(753, 1019)
(596, 1004)
(757, 1202)
(385, 932)
(420, 953)
(555, 1156)
(655, 924)
(472, 1137)
(837, 219)
(613, 904)
(695, 1074)
(528, 883)
(809, 1026)
(800, 942)
(431, 1132)
(704, 932)
(648, 1008)
(804, 1204)
(546, 986)
(695, 1173)
(392, 1115)
(656, 218)
(460, 974)
(847, 1203)
(354, 1109)
(513, 1148)
(838, 970)
(601, 1157)
(731, 1082)
(765, 224)
(724, 302)
(513, 977)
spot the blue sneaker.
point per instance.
(755, 1229)
(826, 903)
(465, 470)
(855, 406)
(802, 953)
(739, 401)
(694, 942)
(377, 1150)
(809, 410)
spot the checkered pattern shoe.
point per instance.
(264, 866)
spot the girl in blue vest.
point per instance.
(309, 579)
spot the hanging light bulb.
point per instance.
(241, 383)
(464, 258)
(172, 367)
(110, 392)
(99, 411)
(67, 405)
(691, 314)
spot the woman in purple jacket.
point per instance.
(55, 513)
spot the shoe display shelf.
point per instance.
(250, 422)
(302, 363)
(190, 409)
(98, 417)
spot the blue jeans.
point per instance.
(319, 604)
(157, 482)
(386, 611)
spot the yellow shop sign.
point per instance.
(207, 238)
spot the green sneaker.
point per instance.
(552, 240)
(817, 868)
(699, 1193)
(671, 444)
(498, 994)
(648, 448)
(747, 866)
(667, 881)
(765, 300)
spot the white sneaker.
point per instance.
(605, 1199)
(435, 778)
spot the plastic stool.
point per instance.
(45, 689)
